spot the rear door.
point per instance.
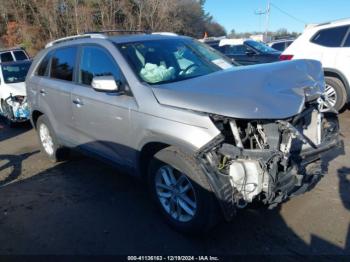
(54, 91)
(343, 57)
(101, 118)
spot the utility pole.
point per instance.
(265, 12)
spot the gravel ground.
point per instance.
(84, 207)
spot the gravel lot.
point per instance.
(85, 207)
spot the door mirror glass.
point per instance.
(105, 84)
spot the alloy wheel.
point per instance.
(46, 139)
(330, 95)
(175, 193)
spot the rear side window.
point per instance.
(95, 61)
(20, 55)
(331, 37)
(63, 62)
(43, 69)
(6, 57)
(347, 41)
(288, 43)
(236, 50)
(279, 46)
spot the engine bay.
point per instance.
(268, 161)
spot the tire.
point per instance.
(50, 146)
(339, 89)
(206, 213)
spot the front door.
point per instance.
(102, 119)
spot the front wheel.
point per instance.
(181, 191)
(335, 93)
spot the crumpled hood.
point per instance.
(16, 89)
(268, 91)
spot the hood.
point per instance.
(16, 89)
(268, 91)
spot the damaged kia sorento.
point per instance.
(208, 137)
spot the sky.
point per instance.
(240, 14)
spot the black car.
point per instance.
(281, 44)
(249, 52)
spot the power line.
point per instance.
(288, 14)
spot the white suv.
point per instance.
(330, 44)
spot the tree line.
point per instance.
(280, 33)
(32, 23)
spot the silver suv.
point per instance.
(209, 137)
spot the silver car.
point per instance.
(208, 137)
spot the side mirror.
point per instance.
(105, 84)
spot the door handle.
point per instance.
(42, 92)
(78, 102)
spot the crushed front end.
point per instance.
(268, 161)
(15, 108)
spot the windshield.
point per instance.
(15, 73)
(172, 60)
(260, 47)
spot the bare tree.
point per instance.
(31, 23)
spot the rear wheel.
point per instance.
(181, 191)
(48, 141)
(335, 92)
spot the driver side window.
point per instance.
(95, 61)
(236, 50)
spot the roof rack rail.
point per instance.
(119, 31)
(93, 34)
(74, 37)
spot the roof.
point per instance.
(10, 49)
(345, 21)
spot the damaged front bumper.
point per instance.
(268, 161)
(15, 108)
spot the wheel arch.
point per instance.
(146, 154)
(330, 72)
(35, 116)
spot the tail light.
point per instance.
(286, 57)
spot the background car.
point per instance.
(13, 54)
(281, 44)
(328, 43)
(247, 52)
(13, 98)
